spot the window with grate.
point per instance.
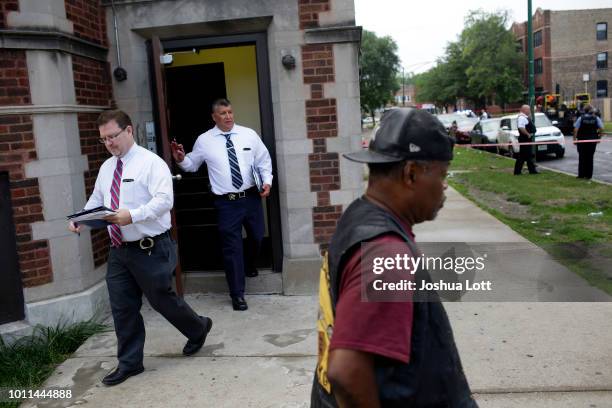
(537, 38)
(538, 67)
(602, 31)
(602, 60)
(602, 89)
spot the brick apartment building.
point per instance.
(570, 46)
(289, 67)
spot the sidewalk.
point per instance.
(524, 354)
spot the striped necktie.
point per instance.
(233, 162)
(113, 229)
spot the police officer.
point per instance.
(587, 127)
(527, 132)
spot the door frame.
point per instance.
(259, 39)
(11, 289)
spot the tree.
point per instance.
(379, 66)
(482, 66)
(495, 66)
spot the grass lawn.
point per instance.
(608, 127)
(550, 209)
(28, 362)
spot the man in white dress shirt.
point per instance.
(138, 185)
(230, 152)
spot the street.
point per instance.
(602, 167)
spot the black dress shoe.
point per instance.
(117, 376)
(238, 303)
(192, 347)
(251, 273)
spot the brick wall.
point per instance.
(17, 147)
(309, 12)
(5, 7)
(92, 84)
(321, 123)
(96, 154)
(14, 83)
(92, 81)
(575, 47)
(89, 20)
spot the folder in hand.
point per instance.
(257, 178)
(93, 218)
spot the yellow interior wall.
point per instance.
(240, 79)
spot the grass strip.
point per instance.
(29, 361)
(551, 210)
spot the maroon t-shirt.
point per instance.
(382, 328)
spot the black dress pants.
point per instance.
(233, 215)
(133, 272)
(586, 151)
(525, 155)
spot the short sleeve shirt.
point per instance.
(381, 328)
(522, 121)
(578, 122)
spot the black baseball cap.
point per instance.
(407, 134)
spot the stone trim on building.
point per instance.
(321, 123)
(51, 40)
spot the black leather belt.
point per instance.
(238, 195)
(146, 242)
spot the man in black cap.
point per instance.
(378, 348)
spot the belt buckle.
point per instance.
(231, 196)
(146, 243)
(242, 194)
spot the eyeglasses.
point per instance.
(110, 138)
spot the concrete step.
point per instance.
(268, 282)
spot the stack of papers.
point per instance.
(257, 177)
(93, 218)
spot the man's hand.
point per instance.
(177, 151)
(122, 218)
(266, 190)
(72, 227)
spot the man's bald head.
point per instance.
(526, 109)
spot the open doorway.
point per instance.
(11, 293)
(193, 81)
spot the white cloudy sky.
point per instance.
(423, 28)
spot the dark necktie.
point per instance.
(233, 162)
(113, 229)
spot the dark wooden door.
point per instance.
(196, 216)
(162, 123)
(191, 90)
(11, 293)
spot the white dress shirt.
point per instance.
(210, 148)
(146, 191)
(522, 120)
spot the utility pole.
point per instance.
(531, 84)
(403, 88)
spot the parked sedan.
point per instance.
(546, 133)
(485, 132)
(464, 126)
